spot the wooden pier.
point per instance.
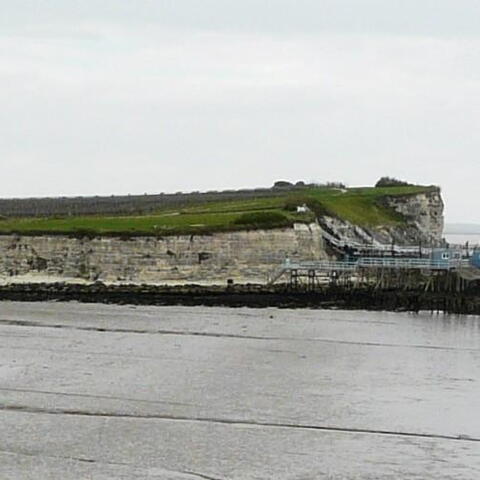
(382, 272)
(448, 268)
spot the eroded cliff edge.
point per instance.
(243, 256)
(422, 222)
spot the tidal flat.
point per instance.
(93, 391)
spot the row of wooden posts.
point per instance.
(404, 279)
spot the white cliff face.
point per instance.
(424, 212)
(249, 256)
(423, 223)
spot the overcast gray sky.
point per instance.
(134, 96)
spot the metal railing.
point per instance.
(377, 262)
(409, 263)
(325, 266)
(397, 249)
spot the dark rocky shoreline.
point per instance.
(254, 296)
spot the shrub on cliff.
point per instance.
(282, 184)
(392, 182)
(262, 220)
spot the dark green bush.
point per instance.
(392, 182)
(83, 232)
(282, 184)
(262, 219)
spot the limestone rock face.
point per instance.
(249, 256)
(422, 213)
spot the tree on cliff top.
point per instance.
(392, 182)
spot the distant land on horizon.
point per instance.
(462, 229)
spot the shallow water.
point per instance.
(473, 239)
(108, 392)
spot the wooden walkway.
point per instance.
(369, 267)
(378, 263)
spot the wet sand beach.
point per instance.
(108, 392)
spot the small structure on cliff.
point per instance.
(303, 208)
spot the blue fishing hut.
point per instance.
(446, 256)
(475, 258)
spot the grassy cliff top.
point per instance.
(361, 206)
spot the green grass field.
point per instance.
(362, 206)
